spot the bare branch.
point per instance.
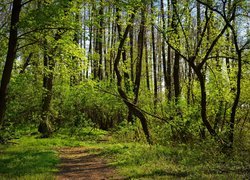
(49, 28)
(135, 106)
(210, 7)
(213, 57)
(246, 45)
(26, 2)
(26, 45)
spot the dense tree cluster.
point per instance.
(181, 68)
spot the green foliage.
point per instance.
(48, 15)
(87, 102)
(24, 99)
(128, 132)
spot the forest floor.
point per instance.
(94, 154)
(82, 163)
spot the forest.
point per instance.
(154, 89)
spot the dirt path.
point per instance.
(78, 163)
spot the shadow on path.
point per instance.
(77, 163)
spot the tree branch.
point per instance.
(26, 45)
(169, 44)
(201, 37)
(135, 106)
(26, 2)
(27, 62)
(52, 28)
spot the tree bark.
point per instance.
(176, 71)
(169, 71)
(203, 102)
(124, 55)
(131, 43)
(237, 96)
(49, 63)
(163, 49)
(100, 41)
(140, 56)
(132, 108)
(176, 74)
(90, 60)
(147, 63)
(11, 55)
(154, 60)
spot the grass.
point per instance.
(27, 160)
(139, 161)
(30, 157)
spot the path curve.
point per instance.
(78, 163)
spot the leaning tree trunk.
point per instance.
(124, 59)
(132, 108)
(11, 55)
(203, 102)
(141, 39)
(124, 55)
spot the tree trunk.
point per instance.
(237, 96)
(44, 127)
(11, 55)
(176, 72)
(154, 60)
(112, 74)
(90, 46)
(124, 56)
(132, 108)
(189, 88)
(140, 56)
(203, 103)
(100, 41)
(95, 60)
(147, 63)
(163, 49)
(169, 73)
(131, 43)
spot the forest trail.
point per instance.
(79, 163)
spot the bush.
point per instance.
(86, 105)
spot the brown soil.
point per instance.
(78, 163)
